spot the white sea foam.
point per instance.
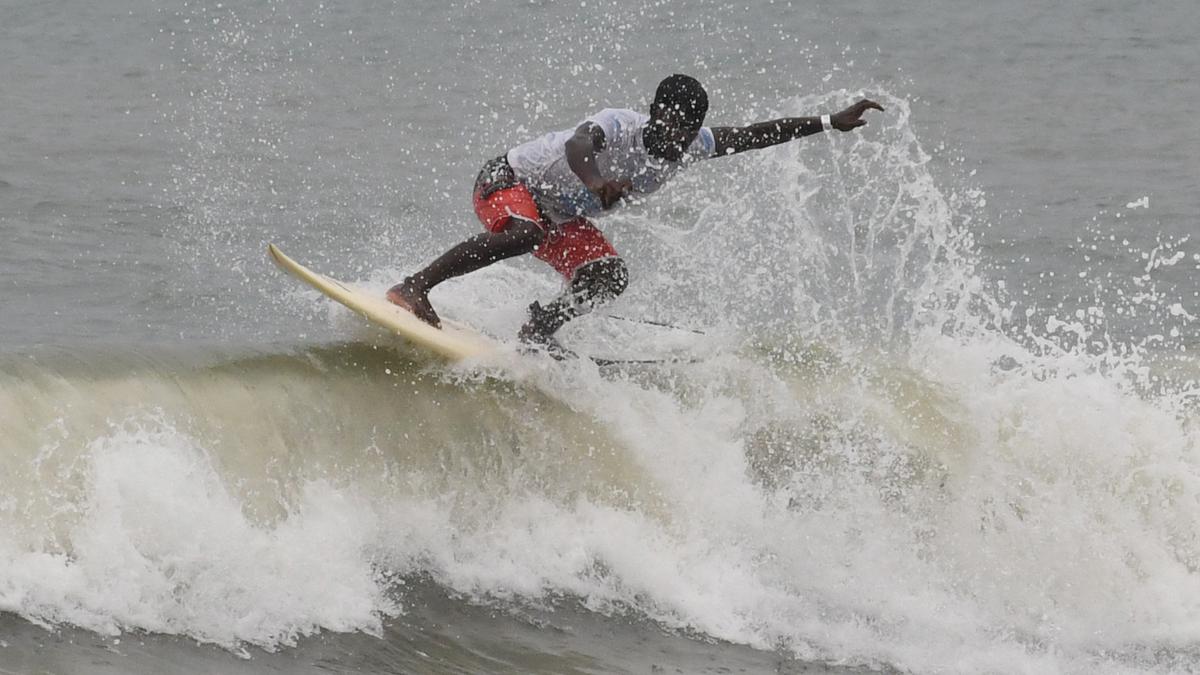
(161, 545)
(1040, 523)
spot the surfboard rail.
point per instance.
(453, 341)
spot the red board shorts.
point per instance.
(567, 246)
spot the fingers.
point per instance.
(612, 192)
(856, 110)
(867, 104)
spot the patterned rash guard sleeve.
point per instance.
(613, 121)
(704, 146)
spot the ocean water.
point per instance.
(939, 417)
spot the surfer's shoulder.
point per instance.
(614, 121)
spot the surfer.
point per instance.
(540, 197)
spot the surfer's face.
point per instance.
(669, 133)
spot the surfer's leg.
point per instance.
(592, 285)
(594, 272)
(514, 226)
(519, 237)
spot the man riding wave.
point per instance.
(540, 196)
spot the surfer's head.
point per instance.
(680, 104)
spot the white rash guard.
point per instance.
(542, 164)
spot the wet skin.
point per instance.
(667, 136)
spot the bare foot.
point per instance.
(416, 302)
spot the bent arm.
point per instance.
(582, 149)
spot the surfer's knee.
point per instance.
(601, 280)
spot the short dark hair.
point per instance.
(683, 93)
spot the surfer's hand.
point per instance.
(851, 118)
(610, 191)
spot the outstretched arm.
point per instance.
(731, 140)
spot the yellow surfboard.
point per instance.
(453, 341)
